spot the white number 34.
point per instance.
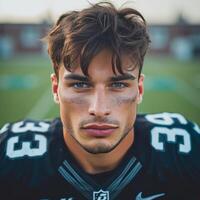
(25, 148)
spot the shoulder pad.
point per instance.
(172, 128)
(23, 138)
(175, 142)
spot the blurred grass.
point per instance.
(171, 86)
(182, 88)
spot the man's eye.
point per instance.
(118, 85)
(80, 85)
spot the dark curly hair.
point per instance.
(83, 34)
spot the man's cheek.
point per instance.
(77, 101)
(83, 101)
(71, 99)
(114, 101)
(124, 100)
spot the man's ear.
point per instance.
(140, 88)
(54, 86)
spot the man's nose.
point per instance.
(99, 105)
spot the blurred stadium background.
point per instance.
(172, 69)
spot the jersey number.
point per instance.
(26, 148)
(171, 134)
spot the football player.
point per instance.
(100, 148)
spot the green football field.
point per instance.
(170, 86)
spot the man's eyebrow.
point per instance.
(76, 77)
(123, 77)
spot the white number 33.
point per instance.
(25, 148)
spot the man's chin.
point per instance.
(99, 149)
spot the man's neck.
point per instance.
(97, 163)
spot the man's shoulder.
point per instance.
(25, 144)
(27, 130)
(170, 144)
(27, 127)
(165, 130)
(166, 120)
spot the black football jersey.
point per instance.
(163, 163)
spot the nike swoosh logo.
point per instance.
(139, 196)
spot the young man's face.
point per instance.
(98, 111)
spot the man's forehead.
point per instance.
(102, 64)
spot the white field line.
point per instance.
(189, 93)
(42, 106)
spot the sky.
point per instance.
(155, 11)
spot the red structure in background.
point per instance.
(181, 39)
(22, 38)
(170, 39)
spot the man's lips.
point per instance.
(99, 126)
(99, 130)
